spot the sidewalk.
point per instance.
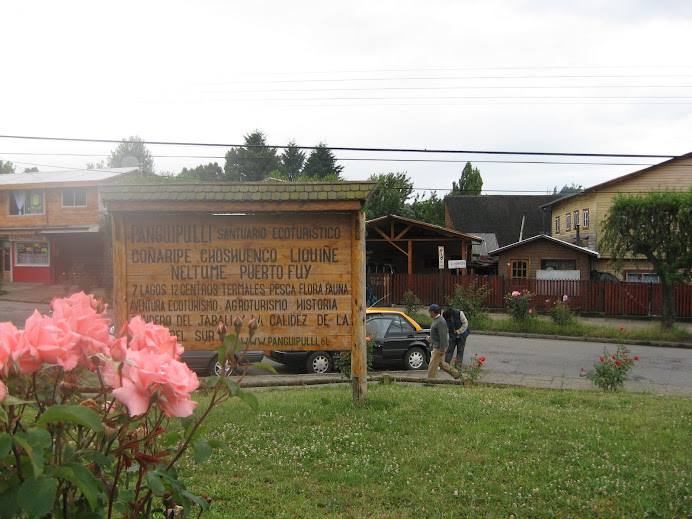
(493, 378)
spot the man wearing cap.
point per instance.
(439, 340)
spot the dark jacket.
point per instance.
(457, 322)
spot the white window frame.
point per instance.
(585, 218)
(73, 191)
(557, 225)
(19, 257)
(28, 194)
(575, 218)
(568, 222)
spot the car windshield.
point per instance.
(377, 328)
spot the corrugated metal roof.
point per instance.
(69, 176)
(237, 191)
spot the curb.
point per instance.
(659, 344)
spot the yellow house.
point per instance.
(577, 218)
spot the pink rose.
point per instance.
(530, 310)
(3, 390)
(565, 298)
(53, 344)
(153, 337)
(516, 293)
(146, 376)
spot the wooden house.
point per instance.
(50, 220)
(577, 218)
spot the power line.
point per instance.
(352, 159)
(342, 148)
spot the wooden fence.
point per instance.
(585, 296)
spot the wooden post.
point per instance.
(359, 354)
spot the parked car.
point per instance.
(399, 341)
(205, 363)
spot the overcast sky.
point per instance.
(586, 76)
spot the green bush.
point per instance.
(559, 311)
(612, 370)
(519, 305)
(342, 361)
(470, 300)
(411, 303)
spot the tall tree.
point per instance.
(470, 182)
(390, 197)
(566, 190)
(292, 161)
(6, 167)
(204, 173)
(132, 152)
(430, 210)
(252, 162)
(31, 170)
(657, 225)
(98, 165)
(321, 164)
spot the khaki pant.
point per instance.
(437, 359)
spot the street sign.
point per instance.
(441, 256)
(456, 264)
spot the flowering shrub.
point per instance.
(611, 371)
(472, 372)
(342, 361)
(519, 305)
(84, 420)
(559, 310)
(411, 302)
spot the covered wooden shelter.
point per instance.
(407, 246)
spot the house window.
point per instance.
(26, 201)
(557, 264)
(557, 225)
(74, 197)
(568, 222)
(585, 219)
(520, 269)
(639, 277)
(576, 219)
(32, 253)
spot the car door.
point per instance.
(398, 338)
(376, 328)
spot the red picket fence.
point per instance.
(586, 296)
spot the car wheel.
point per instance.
(415, 358)
(319, 362)
(218, 370)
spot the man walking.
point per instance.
(439, 340)
(457, 325)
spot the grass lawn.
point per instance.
(413, 452)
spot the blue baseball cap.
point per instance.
(434, 309)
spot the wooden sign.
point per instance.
(292, 272)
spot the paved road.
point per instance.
(514, 355)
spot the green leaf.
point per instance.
(155, 484)
(5, 444)
(171, 438)
(74, 414)
(203, 503)
(3, 415)
(232, 345)
(250, 400)
(40, 437)
(8, 503)
(13, 400)
(221, 353)
(36, 496)
(187, 422)
(264, 365)
(36, 458)
(202, 450)
(218, 444)
(233, 387)
(83, 479)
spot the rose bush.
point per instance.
(559, 310)
(85, 420)
(611, 371)
(519, 305)
(472, 372)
